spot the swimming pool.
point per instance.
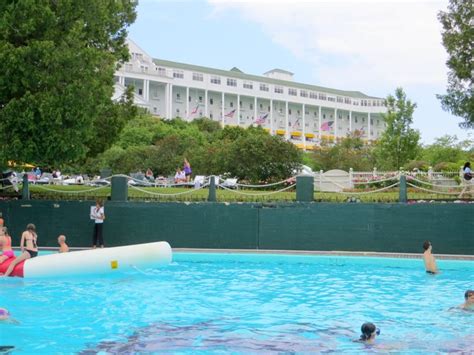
(244, 303)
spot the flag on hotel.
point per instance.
(261, 119)
(230, 114)
(195, 110)
(326, 126)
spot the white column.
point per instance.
(238, 110)
(319, 123)
(122, 80)
(303, 131)
(271, 116)
(188, 116)
(369, 127)
(254, 108)
(287, 132)
(222, 110)
(335, 124)
(350, 122)
(167, 101)
(170, 98)
(205, 105)
(146, 90)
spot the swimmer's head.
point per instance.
(4, 314)
(31, 227)
(426, 245)
(469, 295)
(368, 330)
(61, 239)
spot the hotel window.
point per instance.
(347, 100)
(324, 115)
(322, 96)
(248, 85)
(292, 92)
(189, 98)
(261, 106)
(216, 80)
(161, 71)
(145, 69)
(128, 67)
(268, 108)
(177, 111)
(178, 96)
(298, 112)
(211, 101)
(231, 104)
(251, 106)
(178, 74)
(198, 77)
(303, 93)
(339, 99)
(264, 87)
(200, 98)
(231, 82)
(289, 111)
(332, 99)
(240, 103)
(140, 91)
(340, 116)
(278, 90)
(313, 95)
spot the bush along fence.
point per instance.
(302, 188)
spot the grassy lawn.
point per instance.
(181, 194)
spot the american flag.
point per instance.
(230, 114)
(326, 126)
(195, 110)
(261, 119)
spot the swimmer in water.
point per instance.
(468, 304)
(429, 259)
(369, 332)
(5, 316)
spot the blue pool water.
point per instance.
(239, 303)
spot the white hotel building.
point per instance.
(301, 113)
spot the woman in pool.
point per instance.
(5, 245)
(28, 245)
(369, 332)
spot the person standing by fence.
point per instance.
(466, 179)
(187, 170)
(98, 215)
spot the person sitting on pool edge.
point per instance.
(28, 245)
(5, 245)
(429, 259)
(468, 304)
(63, 247)
(369, 332)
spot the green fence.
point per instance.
(279, 226)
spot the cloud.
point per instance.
(354, 43)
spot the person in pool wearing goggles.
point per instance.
(5, 316)
(369, 332)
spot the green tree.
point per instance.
(258, 156)
(447, 149)
(458, 39)
(56, 83)
(350, 152)
(399, 142)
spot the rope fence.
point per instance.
(331, 182)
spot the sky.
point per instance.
(373, 46)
